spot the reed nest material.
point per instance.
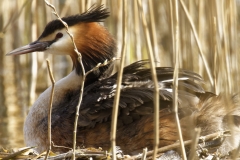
(29, 153)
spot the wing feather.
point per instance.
(136, 95)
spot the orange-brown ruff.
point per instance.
(135, 122)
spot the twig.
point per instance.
(61, 146)
(50, 108)
(39, 155)
(78, 108)
(106, 62)
(83, 73)
(175, 81)
(198, 43)
(154, 78)
(119, 82)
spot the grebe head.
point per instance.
(92, 40)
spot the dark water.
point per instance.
(11, 131)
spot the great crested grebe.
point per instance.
(135, 122)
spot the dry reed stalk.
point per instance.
(119, 82)
(172, 29)
(50, 108)
(3, 111)
(198, 42)
(153, 33)
(154, 78)
(225, 56)
(65, 8)
(215, 72)
(33, 60)
(226, 60)
(12, 19)
(88, 4)
(28, 33)
(119, 29)
(103, 2)
(83, 78)
(175, 77)
(137, 39)
(234, 42)
(82, 7)
(200, 31)
(144, 154)
(195, 140)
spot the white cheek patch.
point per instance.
(62, 46)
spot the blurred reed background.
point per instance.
(23, 78)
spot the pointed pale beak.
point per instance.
(32, 47)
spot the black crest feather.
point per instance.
(94, 14)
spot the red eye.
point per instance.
(59, 35)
